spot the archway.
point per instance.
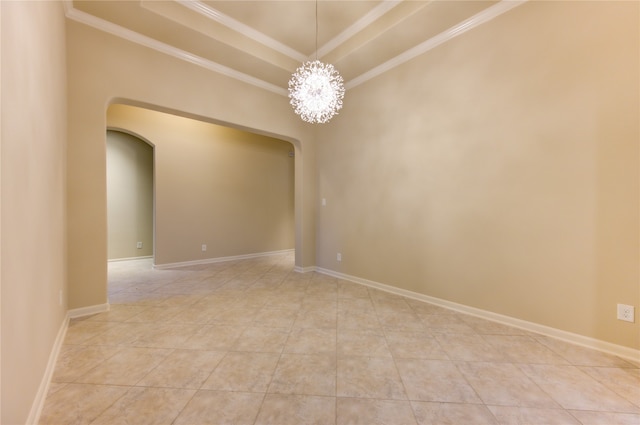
(130, 196)
(220, 192)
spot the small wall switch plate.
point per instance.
(204, 247)
(139, 245)
(339, 257)
(626, 313)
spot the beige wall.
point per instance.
(129, 196)
(104, 69)
(33, 197)
(499, 170)
(229, 189)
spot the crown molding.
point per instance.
(119, 31)
(265, 40)
(237, 26)
(373, 15)
(464, 26)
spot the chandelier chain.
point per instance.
(316, 89)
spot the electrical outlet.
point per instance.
(204, 247)
(339, 257)
(139, 245)
(626, 313)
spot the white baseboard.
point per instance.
(142, 257)
(584, 341)
(607, 347)
(41, 396)
(87, 311)
(221, 259)
(299, 269)
(43, 389)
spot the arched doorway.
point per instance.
(130, 196)
(219, 192)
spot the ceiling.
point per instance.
(263, 42)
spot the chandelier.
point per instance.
(316, 89)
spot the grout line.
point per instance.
(311, 289)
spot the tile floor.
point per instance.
(253, 342)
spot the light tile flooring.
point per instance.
(253, 342)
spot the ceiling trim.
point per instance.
(464, 26)
(373, 15)
(237, 26)
(229, 22)
(480, 18)
(119, 31)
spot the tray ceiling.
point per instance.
(263, 42)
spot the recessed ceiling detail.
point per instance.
(263, 42)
